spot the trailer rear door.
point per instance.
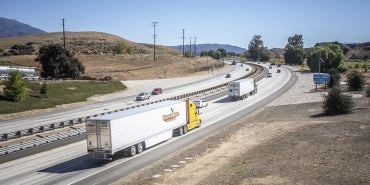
(98, 135)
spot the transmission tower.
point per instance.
(154, 24)
(183, 42)
(190, 47)
(195, 46)
(64, 35)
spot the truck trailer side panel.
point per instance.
(150, 124)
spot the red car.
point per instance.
(157, 91)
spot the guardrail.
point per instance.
(69, 123)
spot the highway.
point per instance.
(71, 113)
(71, 165)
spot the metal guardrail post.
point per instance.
(30, 131)
(19, 134)
(6, 137)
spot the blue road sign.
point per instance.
(321, 78)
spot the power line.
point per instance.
(154, 24)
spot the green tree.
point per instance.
(265, 55)
(217, 55)
(331, 54)
(44, 89)
(355, 80)
(223, 52)
(334, 77)
(337, 103)
(294, 51)
(59, 62)
(15, 88)
(203, 53)
(255, 48)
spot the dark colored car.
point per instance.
(228, 75)
(157, 91)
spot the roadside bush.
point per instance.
(334, 77)
(337, 103)
(15, 88)
(355, 80)
(342, 68)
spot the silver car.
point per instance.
(143, 96)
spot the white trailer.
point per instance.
(242, 88)
(135, 129)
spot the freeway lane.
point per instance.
(114, 104)
(70, 164)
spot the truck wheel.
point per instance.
(185, 129)
(139, 148)
(181, 131)
(132, 151)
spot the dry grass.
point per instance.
(95, 51)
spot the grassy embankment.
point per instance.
(59, 93)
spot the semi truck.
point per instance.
(240, 89)
(134, 130)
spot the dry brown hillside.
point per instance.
(108, 55)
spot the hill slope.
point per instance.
(107, 55)
(13, 28)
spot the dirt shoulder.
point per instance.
(288, 144)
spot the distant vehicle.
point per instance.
(279, 65)
(157, 91)
(31, 77)
(200, 103)
(234, 62)
(247, 69)
(4, 77)
(269, 75)
(241, 89)
(228, 75)
(278, 71)
(270, 67)
(134, 130)
(143, 96)
(273, 63)
(241, 65)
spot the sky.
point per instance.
(233, 22)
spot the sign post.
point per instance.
(321, 78)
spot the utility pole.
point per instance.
(64, 35)
(183, 42)
(154, 24)
(190, 47)
(195, 46)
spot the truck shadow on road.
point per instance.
(77, 164)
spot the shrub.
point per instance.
(44, 89)
(15, 88)
(334, 77)
(337, 103)
(355, 81)
(342, 68)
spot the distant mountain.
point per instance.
(13, 28)
(206, 47)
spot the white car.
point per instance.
(31, 77)
(4, 76)
(200, 103)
